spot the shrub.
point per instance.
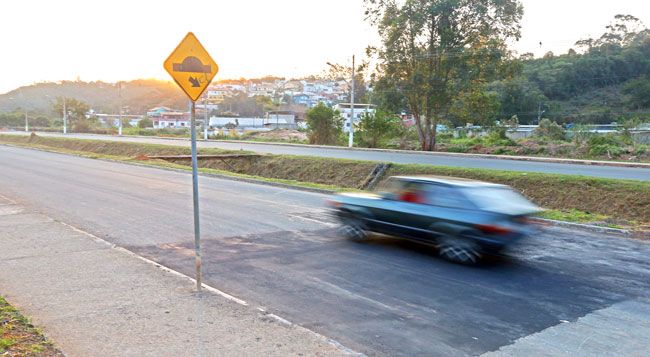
(550, 130)
(609, 150)
(497, 137)
(145, 123)
(375, 127)
(610, 145)
(609, 139)
(444, 137)
(458, 148)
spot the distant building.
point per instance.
(302, 99)
(238, 122)
(360, 109)
(113, 120)
(163, 117)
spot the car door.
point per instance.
(404, 212)
(451, 211)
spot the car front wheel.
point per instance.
(353, 228)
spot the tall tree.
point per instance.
(435, 51)
(76, 109)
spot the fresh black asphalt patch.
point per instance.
(389, 296)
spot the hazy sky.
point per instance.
(119, 40)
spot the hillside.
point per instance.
(608, 80)
(137, 96)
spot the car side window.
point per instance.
(391, 189)
(444, 196)
(413, 192)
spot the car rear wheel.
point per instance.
(459, 250)
(353, 228)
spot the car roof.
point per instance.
(446, 180)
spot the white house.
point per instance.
(164, 117)
(360, 109)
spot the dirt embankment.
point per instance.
(627, 200)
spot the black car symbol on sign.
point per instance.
(192, 64)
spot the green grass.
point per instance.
(6, 343)
(18, 337)
(573, 215)
(622, 200)
(165, 164)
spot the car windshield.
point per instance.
(500, 199)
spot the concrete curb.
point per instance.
(581, 226)
(409, 152)
(587, 227)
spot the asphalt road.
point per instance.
(631, 173)
(277, 248)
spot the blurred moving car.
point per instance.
(465, 219)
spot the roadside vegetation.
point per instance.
(18, 337)
(608, 202)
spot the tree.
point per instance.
(638, 93)
(76, 109)
(145, 123)
(323, 125)
(339, 72)
(477, 106)
(375, 127)
(433, 51)
(76, 113)
(245, 106)
(622, 30)
(15, 118)
(520, 97)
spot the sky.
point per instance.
(45, 40)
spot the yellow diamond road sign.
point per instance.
(191, 67)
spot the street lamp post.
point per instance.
(351, 120)
(26, 122)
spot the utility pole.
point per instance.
(119, 115)
(539, 113)
(26, 123)
(65, 118)
(351, 138)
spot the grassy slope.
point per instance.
(595, 197)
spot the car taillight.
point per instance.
(333, 203)
(492, 229)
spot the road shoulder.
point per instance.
(95, 299)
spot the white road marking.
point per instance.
(209, 288)
(328, 224)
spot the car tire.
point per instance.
(353, 228)
(459, 250)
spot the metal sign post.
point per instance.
(192, 68)
(195, 197)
